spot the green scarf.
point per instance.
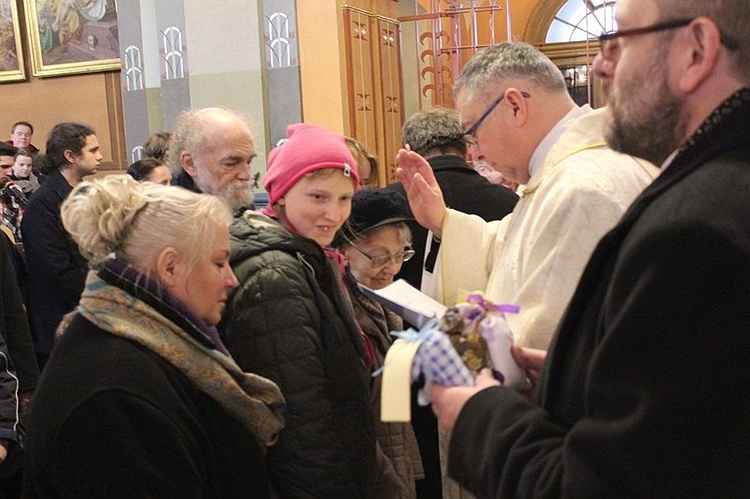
(252, 399)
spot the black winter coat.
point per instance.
(10, 306)
(644, 391)
(14, 328)
(111, 418)
(55, 267)
(289, 322)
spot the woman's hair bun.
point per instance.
(98, 214)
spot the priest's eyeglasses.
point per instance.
(470, 134)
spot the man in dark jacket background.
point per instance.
(20, 136)
(437, 136)
(55, 267)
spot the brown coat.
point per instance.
(397, 440)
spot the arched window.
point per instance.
(278, 53)
(580, 20)
(172, 58)
(567, 31)
(133, 70)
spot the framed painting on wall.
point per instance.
(72, 36)
(11, 49)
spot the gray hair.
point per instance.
(508, 62)
(731, 16)
(189, 131)
(435, 129)
(404, 234)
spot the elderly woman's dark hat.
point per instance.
(373, 208)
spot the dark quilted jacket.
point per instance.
(281, 323)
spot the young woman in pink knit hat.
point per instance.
(290, 320)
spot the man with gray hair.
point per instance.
(643, 393)
(210, 151)
(437, 136)
(519, 117)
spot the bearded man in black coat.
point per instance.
(643, 391)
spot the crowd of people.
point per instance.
(163, 336)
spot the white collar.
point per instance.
(545, 146)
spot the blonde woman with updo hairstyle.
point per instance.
(140, 397)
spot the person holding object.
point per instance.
(518, 116)
(375, 241)
(140, 397)
(642, 392)
(437, 136)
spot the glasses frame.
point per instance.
(407, 255)
(606, 38)
(472, 130)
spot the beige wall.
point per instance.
(226, 62)
(321, 71)
(91, 98)
(83, 98)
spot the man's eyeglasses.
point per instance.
(380, 260)
(607, 39)
(469, 135)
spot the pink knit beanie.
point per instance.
(308, 148)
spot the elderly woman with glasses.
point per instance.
(374, 242)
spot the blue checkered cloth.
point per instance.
(436, 358)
